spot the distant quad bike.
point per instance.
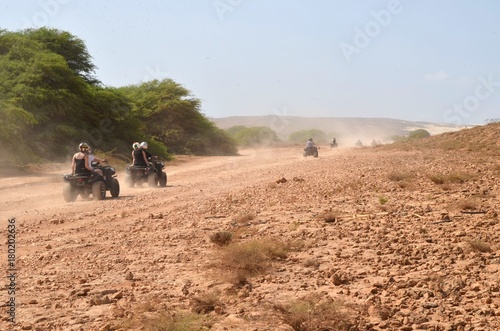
(333, 144)
(153, 174)
(308, 151)
(91, 183)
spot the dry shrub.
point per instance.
(446, 187)
(383, 199)
(251, 258)
(437, 179)
(399, 176)
(178, 321)
(456, 178)
(460, 177)
(479, 246)
(205, 303)
(313, 263)
(468, 204)
(221, 238)
(312, 314)
(329, 217)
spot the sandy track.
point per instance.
(74, 258)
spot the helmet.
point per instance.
(83, 146)
(310, 139)
(135, 145)
(144, 145)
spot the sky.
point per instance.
(427, 60)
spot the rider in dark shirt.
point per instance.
(144, 147)
(80, 161)
(140, 158)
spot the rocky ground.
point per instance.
(401, 237)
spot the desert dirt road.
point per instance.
(396, 244)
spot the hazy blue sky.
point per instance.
(426, 60)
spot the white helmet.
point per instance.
(135, 146)
(144, 145)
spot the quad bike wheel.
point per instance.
(99, 190)
(115, 188)
(315, 153)
(69, 193)
(153, 180)
(85, 194)
(163, 180)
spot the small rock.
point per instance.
(429, 305)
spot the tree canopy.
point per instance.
(252, 136)
(50, 100)
(172, 117)
(302, 136)
(418, 134)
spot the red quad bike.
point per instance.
(152, 174)
(91, 183)
(308, 151)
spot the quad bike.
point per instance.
(152, 174)
(91, 183)
(333, 144)
(308, 151)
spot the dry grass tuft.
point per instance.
(468, 204)
(312, 263)
(399, 176)
(383, 199)
(312, 314)
(479, 246)
(178, 321)
(329, 216)
(456, 178)
(221, 238)
(251, 258)
(205, 303)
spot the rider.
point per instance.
(139, 156)
(92, 158)
(310, 143)
(135, 146)
(144, 146)
(80, 162)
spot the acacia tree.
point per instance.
(49, 95)
(172, 117)
(71, 48)
(418, 134)
(255, 135)
(300, 137)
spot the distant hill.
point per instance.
(482, 139)
(347, 130)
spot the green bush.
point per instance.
(418, 134)
(301, 137)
